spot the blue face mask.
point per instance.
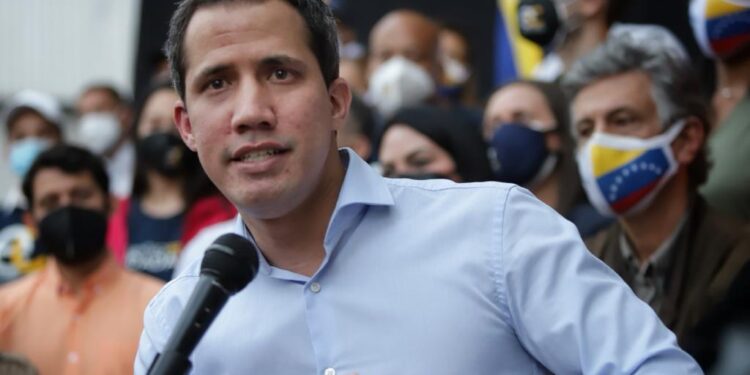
(519, 154)
(24, 152)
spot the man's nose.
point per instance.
(253, 107)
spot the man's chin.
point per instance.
(264, 205)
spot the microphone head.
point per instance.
(232, 260)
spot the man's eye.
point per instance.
(216, 84)
(280, 74)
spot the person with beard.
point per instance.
(171, 198)
(428, 142)
(80, 314)
(526, 124)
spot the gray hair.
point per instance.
(674, 85)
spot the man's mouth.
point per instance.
(259, 155)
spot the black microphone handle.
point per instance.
(202, 307)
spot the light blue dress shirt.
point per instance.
(429, 277)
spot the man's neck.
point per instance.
(647, 230)
(75, 276)
(582, 41)
(294, 242)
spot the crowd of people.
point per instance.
(442, 225)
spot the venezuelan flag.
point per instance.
(624, 177)
(515, 57)
(727, 25)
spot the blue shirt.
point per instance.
(153, 243)
(429, 277)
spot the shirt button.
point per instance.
(329, 371)
(73, 357)
(315, 288)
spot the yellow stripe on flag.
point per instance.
(609, 159)
(526, 54)
(718, 8)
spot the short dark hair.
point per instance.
(318, 19)
(69, 159)
(108, 89)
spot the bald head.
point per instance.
(406, 33)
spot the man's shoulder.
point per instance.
(604, 240)
(19, 288)
(447, 188)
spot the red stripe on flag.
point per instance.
(723, 45)
(626, 202)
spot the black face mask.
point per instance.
(538, 21)
(73, 235)
(165, 153)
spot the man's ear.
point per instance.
(690, 141)
(341, 98)
(182, 121)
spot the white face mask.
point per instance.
(98, 131)
(398, 83)
(456, 72)
(623, 175)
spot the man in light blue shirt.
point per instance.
(363, 274)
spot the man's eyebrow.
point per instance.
(210, 71)
(275, 60)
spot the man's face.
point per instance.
(30, 124)
(96, 101)
(621, 104)
(517, 103)
(54, 189)
(257, 109)
(408, 35)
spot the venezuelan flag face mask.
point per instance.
(622, 175)
(721, 27)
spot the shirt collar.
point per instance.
(659, 260)
(362, 187)
(362, 184)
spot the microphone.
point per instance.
(229, 264)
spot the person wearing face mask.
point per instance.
(427, 142)
(567, 30)
(81, 313)
(526, 124)
(33, 122)
(403, 66)
(640, 124)
(722, 30)
(172, 199)
(103, 127)
(458, 83)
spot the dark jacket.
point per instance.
(707, 255)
